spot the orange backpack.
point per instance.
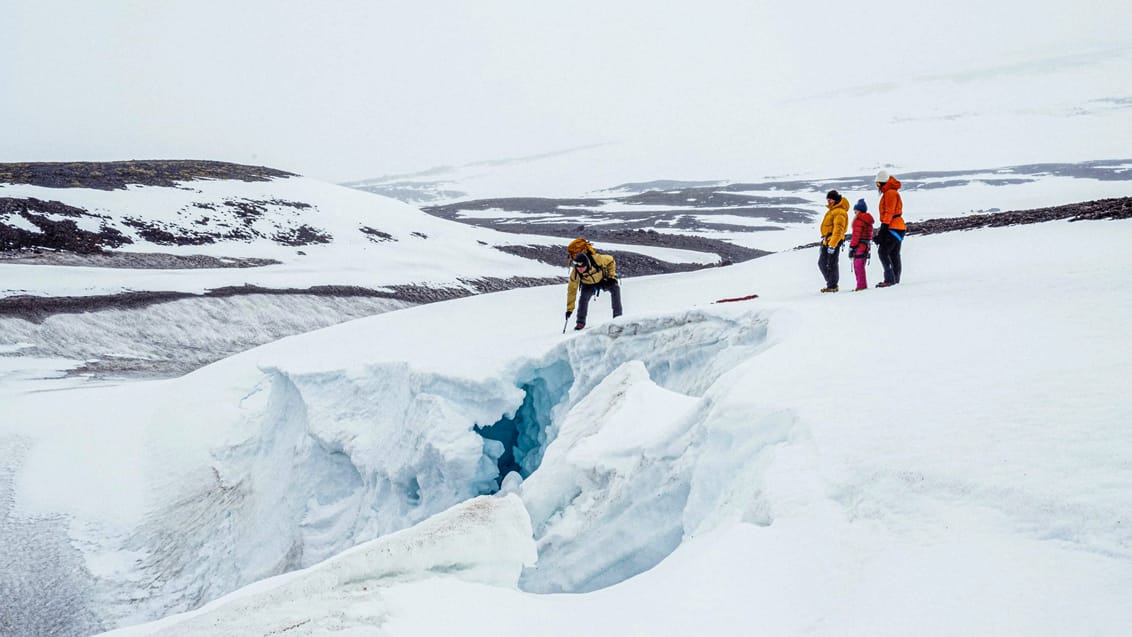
(579, 245)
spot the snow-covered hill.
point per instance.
(157, 268)
(307, 232)
(948, 456)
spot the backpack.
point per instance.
(579, 245)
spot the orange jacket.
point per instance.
(891, 206)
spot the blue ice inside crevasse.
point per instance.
(517, 443)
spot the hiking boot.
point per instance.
(863, 287)
(885, 284)
(832, 289)
(579, 326)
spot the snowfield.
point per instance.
(292, 408)
(949, 456)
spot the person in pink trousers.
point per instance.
(859, 242)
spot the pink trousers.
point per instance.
(859, 270)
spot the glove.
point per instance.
(568, 313)
(829, 249)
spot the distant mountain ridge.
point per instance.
(116, 175)
(773, 213)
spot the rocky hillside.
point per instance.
(1118, 208)
(39, 223)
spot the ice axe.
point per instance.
(567, 322)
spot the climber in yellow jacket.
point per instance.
(833, 227)
(594, 272)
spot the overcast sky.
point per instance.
(350, 89)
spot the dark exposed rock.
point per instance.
(132, 260)
(551, 255)
(527, 205)
(495, 284)
(116, 175)
(157, 233)
(638, 264)
(304, 235)
(246, 211)
(629, 264)
(682, 205)
(37, 308)
(1120, 208)
(54, 233)
(376, 236)
(709, 198)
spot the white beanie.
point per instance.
(882, 177)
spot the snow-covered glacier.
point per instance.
(767, 464)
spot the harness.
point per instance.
(592, 265)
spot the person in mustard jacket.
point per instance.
(833, 227)
(890, 235)
(594, 272)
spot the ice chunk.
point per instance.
(606, 503)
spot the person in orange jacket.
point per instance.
(890, 235)
(593, 272)
(833, 227)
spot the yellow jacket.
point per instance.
(835, 222)
(590, 276)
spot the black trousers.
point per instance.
(588, 291)
(888, 249)
(827, 263)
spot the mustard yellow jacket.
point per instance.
(835, 222)
(591, 276)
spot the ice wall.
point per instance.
(610, 498)
(179, 336)
(238, 473)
